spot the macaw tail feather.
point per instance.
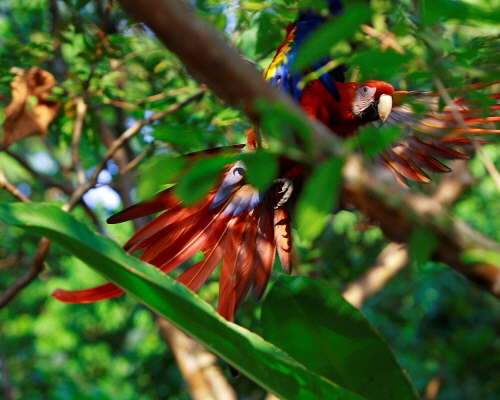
(234, 224)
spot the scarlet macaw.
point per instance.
(245, 228)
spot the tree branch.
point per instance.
(395, 256)
(5, 184)
(197, 365)
(391, 260)
(26, 278)
(398, 212)
(50, 181)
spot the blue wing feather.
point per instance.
(279, 72)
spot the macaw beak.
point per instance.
(384, 107)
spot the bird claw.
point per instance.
(286, 189)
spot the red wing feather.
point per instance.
(283, 237)
(405, 168)
(195, 276)
(265, 250)
(244, 272)
(98, 293)
(161, 202)
(227, 294)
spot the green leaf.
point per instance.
(269, 35)
(201, 178)
(318, 198)
(388, 64)
(423, 242)
(156, 172)
(283, 129)
(262, 168)
(438, 10)
(259, 360)
(372, 140)
(318, 327)
(340, 28)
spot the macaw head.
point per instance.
(358, 104)
(372, 101)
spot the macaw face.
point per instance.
(373, 101)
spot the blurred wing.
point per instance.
(429, 135)
(279, 73)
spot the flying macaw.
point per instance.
(245, 228)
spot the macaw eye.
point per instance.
(365, 91)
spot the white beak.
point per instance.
(384, 107)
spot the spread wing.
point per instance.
(429, 135)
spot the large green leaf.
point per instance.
(261, 361)
(319, 328)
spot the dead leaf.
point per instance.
(30, 111)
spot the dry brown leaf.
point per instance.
(30, 111)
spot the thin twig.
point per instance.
(130, 132)
(39, 176)
(81, 110)
(52, 182)
(5, 184)
(134, 106)
(132, 164)
(387, 39)
(28, 276)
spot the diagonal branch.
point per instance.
(399, 212)
(389, 262)
(215, 63)
(395, 256)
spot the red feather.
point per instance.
(283, 237)
(265, 250)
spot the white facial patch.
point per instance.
(363, 98)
